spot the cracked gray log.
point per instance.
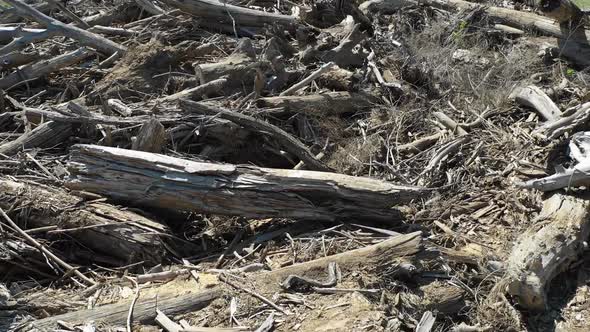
(46, 135)
(538, 100)
(160, 181)
(540, 254)
(43, 67)
(101, 227)
(144, 310)
(329, 103)
(225, 13)
(82, 36)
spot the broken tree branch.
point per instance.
(538, 100)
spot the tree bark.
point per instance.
(161, 181)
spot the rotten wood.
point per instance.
(542, 253)
(151, 137)
(248, 191)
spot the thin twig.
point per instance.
(256, 295)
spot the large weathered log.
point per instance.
(102, 227)
(82, 36)
(44, 67)
(46, 135)
(330, 103)
(172, 183)
(144, 310)
(226, 13)
(539, 255)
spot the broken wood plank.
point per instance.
(172, 183)
(540, 255)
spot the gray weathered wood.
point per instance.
(535, 98)
(46, 135)
(144, 310)
(44, 67)
(539, 255)
(102, 227)
(161, 181)
(82, 36)
(151, 137)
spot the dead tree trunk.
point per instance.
(161, 181)
(540, 255)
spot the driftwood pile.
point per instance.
(390, 165)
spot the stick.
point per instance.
(296, 87)
(130, 315)
(82, 36)
(46, 251)
(197, 92)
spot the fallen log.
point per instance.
(82, 36)
(160, 181)
(44, 67)
(46, 135)
(539, 255)
(17, 59)
(101, 227)
(226, 13)
(330, 103)
(144, 310)
(284, 139)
